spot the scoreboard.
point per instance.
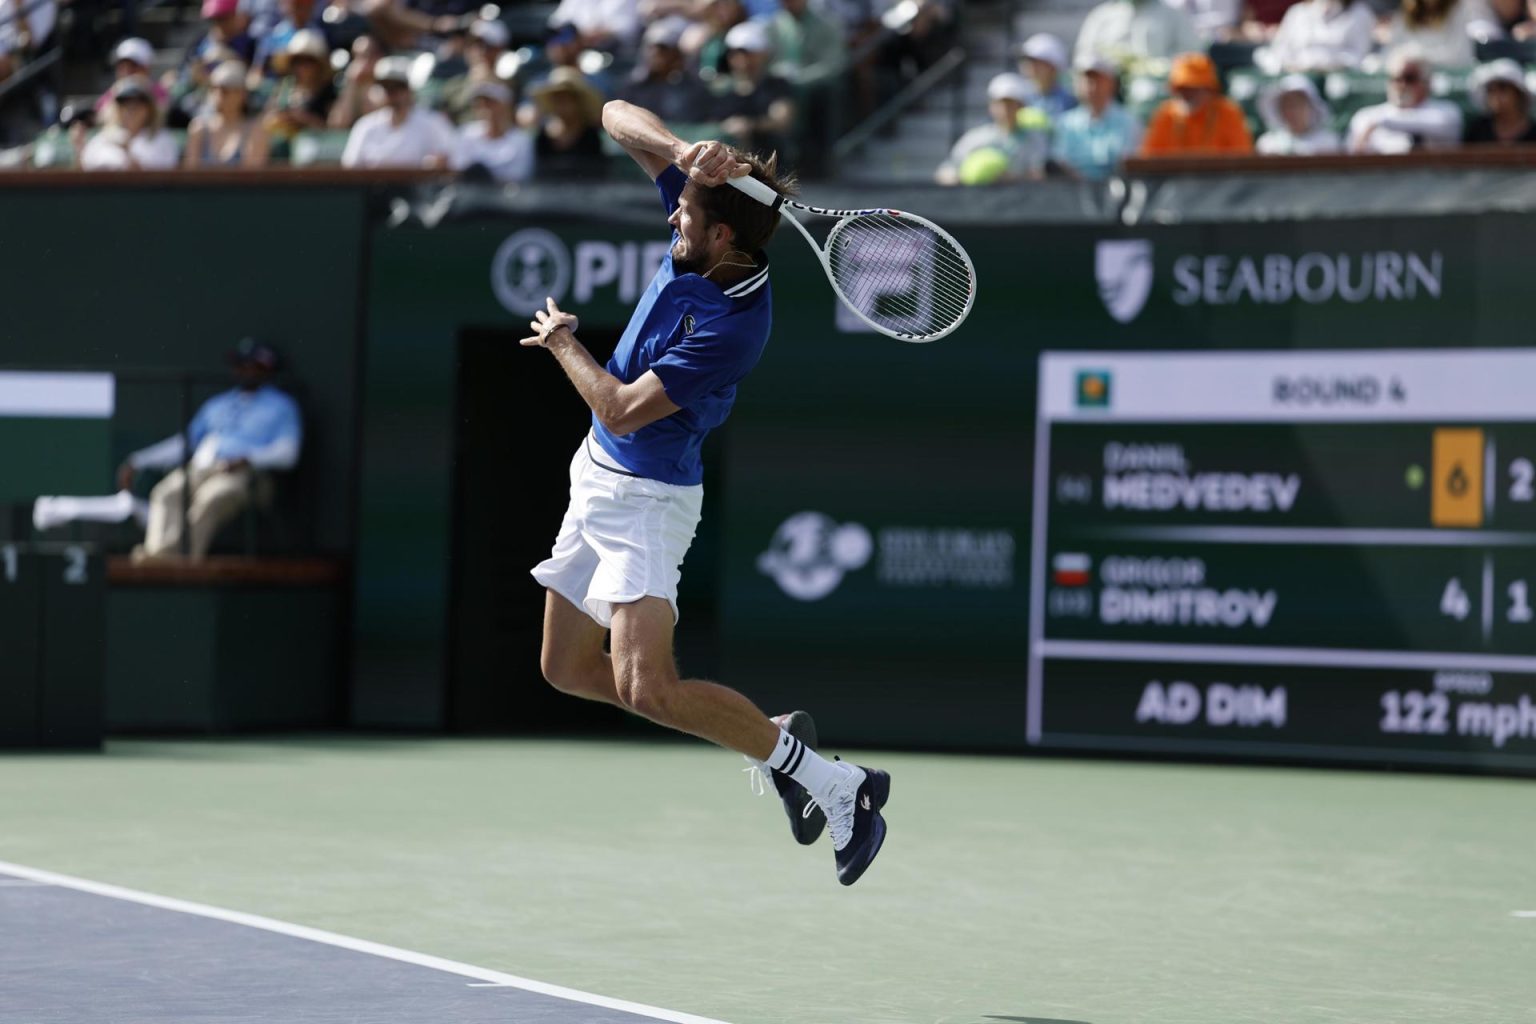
(1318, 555)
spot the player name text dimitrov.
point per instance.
(1172, 592)
(1157, 478)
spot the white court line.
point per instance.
(298, 931)
(1522, 913)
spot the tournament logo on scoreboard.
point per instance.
(1093, 389)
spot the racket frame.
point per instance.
(768, 197)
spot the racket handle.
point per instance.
(757, 190)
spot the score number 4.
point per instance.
(1455, 604)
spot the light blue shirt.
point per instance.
(1093, 146)
(262, 426)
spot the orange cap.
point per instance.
(1193, 71)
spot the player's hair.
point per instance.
(752, 222)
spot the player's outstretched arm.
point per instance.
(621, 408)
(646, 138)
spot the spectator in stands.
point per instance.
(1216, 21)
(306, 93)
(570, 140)
(754, 108)
(483, 52)
(398, 133)
(706, 39)
(403, 24)
(663, 82)
(1134, 33)
(562, 49)
(1410, 119)
(807, 45)
(226, 135)
(1092, 138)
(238, 437)
(1500, 91)
(228, 28)
(1442, 29)
(357, 95)
(918, 34)
(492, 145)
(1261, 19)
(1005, 150)
(1043, 58)
(297, 16)
(1516, 19)
(130, 58)
(1297, 120)
(25, 28)
(601, 24)
(1198, 120)
(190, 89)
(133, 139)
(1320, 35)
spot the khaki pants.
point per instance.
(218, 496)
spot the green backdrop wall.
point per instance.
(929, 448)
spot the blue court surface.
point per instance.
(77, 952)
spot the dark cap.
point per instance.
(250, 352)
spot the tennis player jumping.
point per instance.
(636, 488)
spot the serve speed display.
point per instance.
(1308, 554)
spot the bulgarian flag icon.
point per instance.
(1071, 569)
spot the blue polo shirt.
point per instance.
(700, 340)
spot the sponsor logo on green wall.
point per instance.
(534, 264)
(811, 554)
(1126, 274)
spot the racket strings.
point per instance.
(900, 273)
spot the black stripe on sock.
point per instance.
(794, 759)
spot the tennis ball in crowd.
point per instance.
(983, 167)
(1030, 119)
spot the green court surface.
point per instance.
(1009, 889)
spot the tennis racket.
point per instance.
(901, 274)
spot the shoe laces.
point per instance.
(759, 777)
(840, 812)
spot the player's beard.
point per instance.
(691, 263)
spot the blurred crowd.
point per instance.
(445, 84)
(516, 95)
(1199, 78)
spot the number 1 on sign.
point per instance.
(8, 556)
(1519, 602)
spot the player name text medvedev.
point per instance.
(1157, 478)
(1314, 277)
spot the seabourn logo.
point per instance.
(1125, 274)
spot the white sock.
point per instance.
(818, 775)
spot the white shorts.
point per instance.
(623, 537)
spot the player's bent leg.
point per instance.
(645, 673)
(572, 658)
